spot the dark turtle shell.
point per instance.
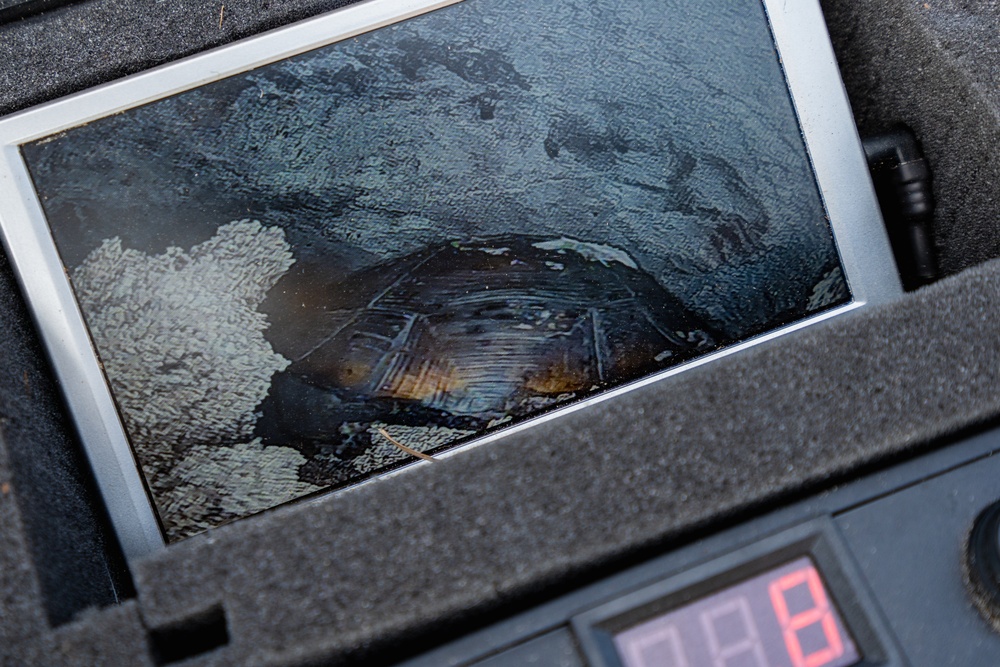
(478, 331)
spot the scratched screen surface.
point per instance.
(429, 232)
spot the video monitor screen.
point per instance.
(314, 271)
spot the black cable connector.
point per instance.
(902, 180)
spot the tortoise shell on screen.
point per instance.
(481, 328)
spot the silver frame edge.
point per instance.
(834, 148)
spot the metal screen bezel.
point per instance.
(814, 86)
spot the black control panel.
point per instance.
(792, 600)
(900, 568)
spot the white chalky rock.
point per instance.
(181, 339)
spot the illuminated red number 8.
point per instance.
(820, 612)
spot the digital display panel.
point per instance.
(297, 276)
(782, 618)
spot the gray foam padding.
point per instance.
(21, 606)
(50, 473)
(375, 571)
(115, 636)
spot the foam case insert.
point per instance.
(386, 569)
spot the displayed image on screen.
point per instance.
(298, 276)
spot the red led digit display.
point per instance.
(820, 613)
(782, 618)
